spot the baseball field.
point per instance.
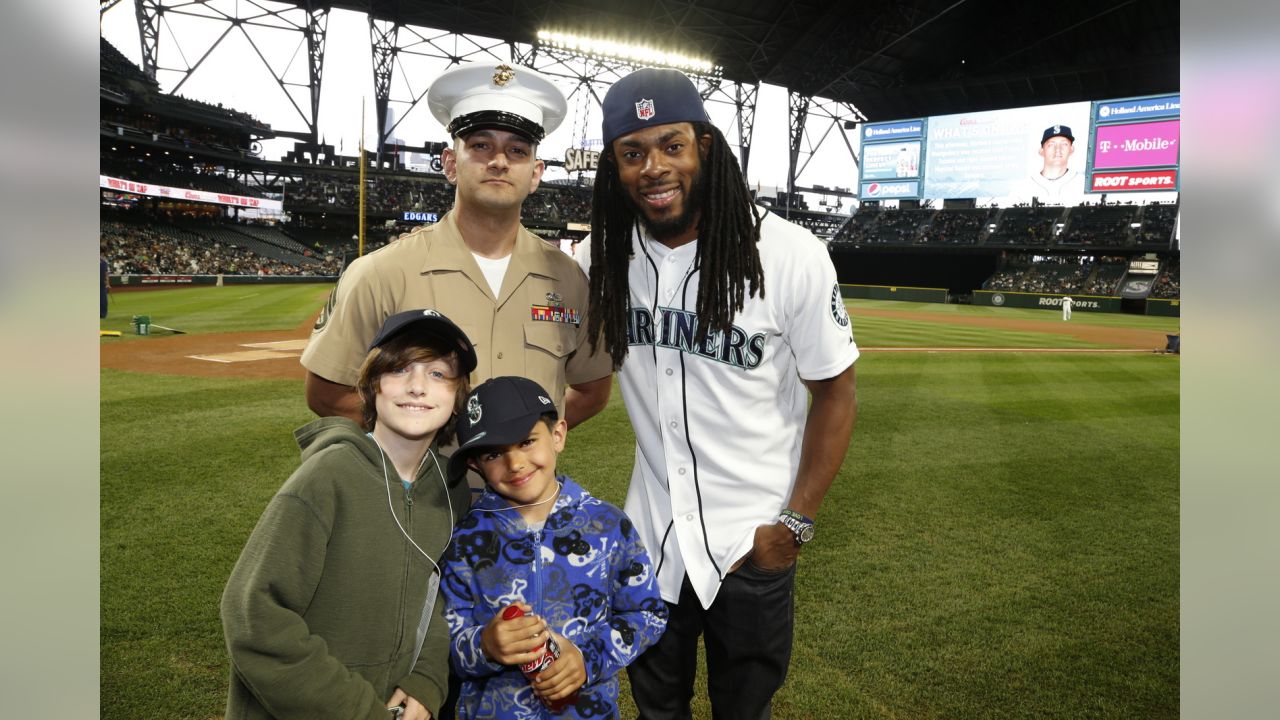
(1002, 541)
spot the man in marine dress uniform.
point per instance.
(521, 301)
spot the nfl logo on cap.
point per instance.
(644, 110)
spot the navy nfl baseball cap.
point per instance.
(1057, 131)
(651, 96)
(475, 96)
(500, 411)
(429, 323)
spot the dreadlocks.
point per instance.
(728, 260)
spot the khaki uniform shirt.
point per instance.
(536, 328)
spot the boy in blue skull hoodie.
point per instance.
(571, 562)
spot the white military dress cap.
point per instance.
(472, 96)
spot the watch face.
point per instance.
(806, 533)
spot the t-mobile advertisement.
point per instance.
(1148, 144)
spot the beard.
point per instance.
(667, 229)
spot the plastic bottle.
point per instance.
(547, 654)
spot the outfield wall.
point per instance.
(1082, 303)
(1165, 308)
(894, 292)
(138, 282)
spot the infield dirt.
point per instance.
(181, 354)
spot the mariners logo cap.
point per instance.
(1057, 131)
(475, 96)
(500, 411)
(651, 96)
(428, 323)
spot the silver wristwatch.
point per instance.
(798, 524)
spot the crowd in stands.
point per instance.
(557, 204)
(1025, 226)
(1084, 226)
(383, 195)
(956, 227)
(157, 248)
(1059, 274)
(1166, 285)
(1098, 226)
(1107, 276)
(390, 196)
(177, 175)
(1157, 223)
(824, 225)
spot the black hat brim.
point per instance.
(464, 125)
(507, 432)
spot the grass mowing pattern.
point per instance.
(1002, 541)
(233, 308)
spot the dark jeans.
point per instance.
(747, 633)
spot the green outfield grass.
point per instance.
(233, 308)
(1002, 541)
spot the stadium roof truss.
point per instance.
(841, 63)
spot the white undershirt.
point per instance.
(494, 271)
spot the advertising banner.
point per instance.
(162, 191)
(891, 131)
(1135, 181)
(1149, 144)
(888, 161)
(889, 190)
(1091, 303)
(423, 217)
(1139, 109)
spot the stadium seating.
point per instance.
(1098, 226)
(1025, 226)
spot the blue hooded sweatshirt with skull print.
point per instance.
(585, 572)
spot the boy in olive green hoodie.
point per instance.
(332, 609)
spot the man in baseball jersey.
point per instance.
(1066, 307)
(521, 301)
(722, 319)
(1055, 182)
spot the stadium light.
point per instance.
(625, 51)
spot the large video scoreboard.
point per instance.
(1124, 145)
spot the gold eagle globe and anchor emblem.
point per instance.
(503, 74)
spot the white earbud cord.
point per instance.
(387, 481)
(556, 494)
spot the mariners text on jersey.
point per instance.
(678, 329)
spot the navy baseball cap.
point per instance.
(500, 411)
(1056, 131)
(651, 96)
(429, 323)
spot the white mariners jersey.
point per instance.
(719, 424)
(1069, 185)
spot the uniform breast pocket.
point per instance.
(547, 346)
(554, 339)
